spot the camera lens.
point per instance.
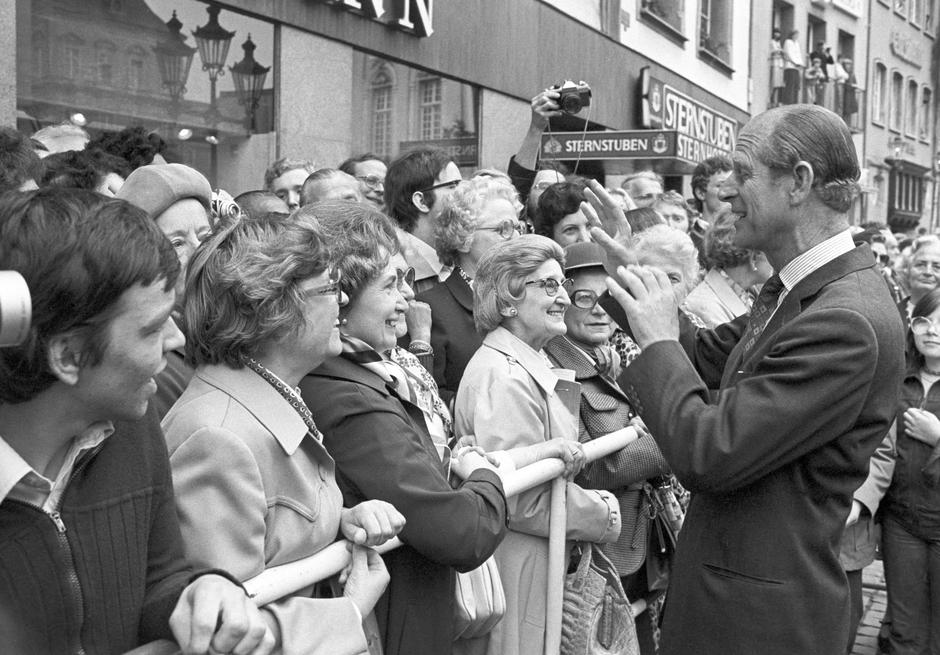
(571, 103)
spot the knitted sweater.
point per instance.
(105, 574)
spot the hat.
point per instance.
(584, 254)
(156, 187)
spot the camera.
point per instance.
(16, 309)
(572, 96)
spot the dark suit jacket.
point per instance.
(382, 450)
(603, 409)
(453, 336)
(773, 462)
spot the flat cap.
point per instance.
(584, 254)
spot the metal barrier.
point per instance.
(287, 579)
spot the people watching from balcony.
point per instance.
(776, 68)
(814, 90)
(793, 65)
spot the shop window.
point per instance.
(896, 105)
(382, 112)
(667, 15)
(714, 32)
(121, 73)
(405, 108)
(429, 109)
(926, 106)
(910, 125)
(879, 95)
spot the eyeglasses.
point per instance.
(372, 181)
(333, 288)
(550, 285)
(921, 325)
(442, 185)
(505, 229)
(926, 266)
(403, 277)
(583, 298)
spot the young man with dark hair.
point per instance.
(91, 558)
(416, 186)
(20, 166)
(370, 171)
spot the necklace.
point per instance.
(292, 396)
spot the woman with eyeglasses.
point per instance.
(254, 486)
(911, 507)
(388, 431)
(512, 400)
(480, 213)
(604, 407)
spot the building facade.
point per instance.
(880, 81)
(342, 77)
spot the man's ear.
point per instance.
(699, 194)
(64, 354)
(803, 178)
(417, 198)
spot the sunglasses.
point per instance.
(583, 298)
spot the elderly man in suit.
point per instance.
(806, 391)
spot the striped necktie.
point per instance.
(761, 312)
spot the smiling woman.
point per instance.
(387, 428)
(511, 400)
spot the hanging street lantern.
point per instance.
(249, 77)
(174, 58)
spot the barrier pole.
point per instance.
(556, 566)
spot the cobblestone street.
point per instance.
(866, 640)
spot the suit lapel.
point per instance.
(460, 290)
(855, 260)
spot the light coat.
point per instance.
(714, 301)
(507, 398)
(254, 490)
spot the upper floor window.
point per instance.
(879, 89)
(104, 53)
(900, 6)
(914, 9)
(926, 106)
(714, 32)
(897, 102)
(429, 108)
(382, 113)
(928, 16)
(72, 56)
(913, 90)
(666, 13)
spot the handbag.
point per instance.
(666, 513)
(479, 601)
(596, 616)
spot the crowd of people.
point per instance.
(215, 385)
